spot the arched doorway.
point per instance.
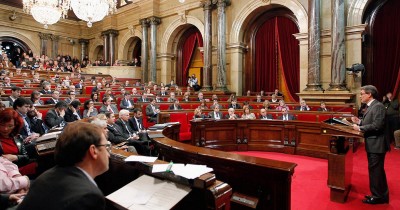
(273, 59)
(14, 48)
(98, 53)
(189, 57)
(381, 46)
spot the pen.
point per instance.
(169, 166)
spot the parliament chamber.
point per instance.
(255, 57)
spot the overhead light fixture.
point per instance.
(46, 12)
(93, 10)
(181, 1)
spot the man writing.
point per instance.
(376, 145)
(81, 154)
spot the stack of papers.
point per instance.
(148, 193)
(139, 158)
(188, 171)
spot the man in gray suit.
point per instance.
(376, 145)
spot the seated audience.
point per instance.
(259, 99)
(94, 97)
(264, 115)
(216, 114)
(198, 114)
(274, 99)
(55, 96)
(234, 105)
(247, 114)
(15, 93)
(71, 97)
(282, 105)
(108, 106)
(82, 153)
(175, 106)
(72, 113)
(303, 106)
(322, 107)
(231, 114)
(35, 98)
(203, 105)
(285, 115)
(127, 102)
(152, 111)
(266, 105)
(89, 110)
(55, 117)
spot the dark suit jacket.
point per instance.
(373, 126)
(134, 125)
(10, 100)
(50, 101)
(237, 106)
(70, 117)
(124, 104)
(53, 119)
(141, 100)
(227, 116)
(290, 117)
(63, 188)
(151, 114)
(46, 92)
(37, 125)
(172, 107)
(124, 128)
(115, 134)
(212, 115)
(304, 109)
(321, 110)
(269, 117)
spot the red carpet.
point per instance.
(310, 191)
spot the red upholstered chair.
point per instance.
(182, 118)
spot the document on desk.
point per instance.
(139, 158)
(189, 171)
(149, 193)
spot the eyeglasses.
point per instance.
(108, 146)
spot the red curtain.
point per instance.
(274, 42)
(289, 52)
(386, 44)
(191, 43)
(266, 68)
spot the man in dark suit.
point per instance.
(55, 117)
(46, 88)
(303, 106)
(231, 114)
(286, 115)
(152, 111)
(264, 115)
(136, 121)
(54, 98)
(130, 135)
(81, 154)
(376, 145)
(234, 105)
(15, 93)
(72, 112)
(216, 114)
(127, 102)
(259, 99)
(175, 106)
(322, 107)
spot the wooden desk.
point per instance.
(269, 181)
(292, 137)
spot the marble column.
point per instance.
(54, 51)
(145, 50)
(84, 45)
(314, 46)
(338, 74)
(43, 43)
(154, 21)
(221, 53)
(111, 35)
(105, 46)
(207, 69)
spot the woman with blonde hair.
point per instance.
(247, 114)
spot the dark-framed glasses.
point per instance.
(107, 146)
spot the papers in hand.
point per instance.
(48, 136)
(138, 158)
(149, 193)
(188, 171)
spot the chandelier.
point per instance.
(46, 12)
(93, 10)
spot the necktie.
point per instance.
(216, 115)
(138, 124)
(126, 127)
(28, 130)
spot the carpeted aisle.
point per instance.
(310, 191)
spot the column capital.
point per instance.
(154, 20)
(144, 22)
(45, 36)
(208, 4)
(110, 31)
(83, 41)
(54, 37)
(222, 3)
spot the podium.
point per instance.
(340, 159)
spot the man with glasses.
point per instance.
(81, 154)
(54, 98)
